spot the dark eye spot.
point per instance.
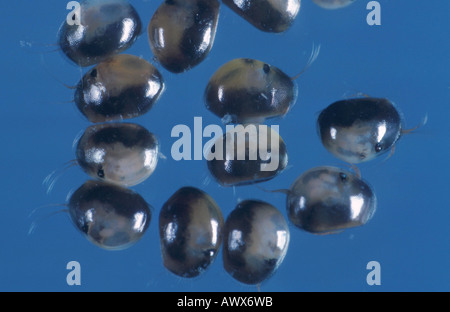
(362, 156)
(343, 177)
(266, 68)
(270, 262)
(100, 173)
(94, 73)
(378, 147)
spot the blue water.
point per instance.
(405, 59)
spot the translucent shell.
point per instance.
(121, 87)
(110, 216)
(190, 228)
(325, 200)
(358, 130)
(119, 153)
(106, 27)
(267, 15)
(182, 32)
(246, 91)
(256, 239)
(246, 155)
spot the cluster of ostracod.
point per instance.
(326, 200)
(246, 92)
(115, 154)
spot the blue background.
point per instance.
(406, 59)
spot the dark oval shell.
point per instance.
(358, 130)
(256, 239)
(120, 153)
(121, 87)
(190, 228)
(107, 27)
(246, 155)
(247, 91)
(182, 32)
(327, 199)
(267, 15)
(110, 216)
